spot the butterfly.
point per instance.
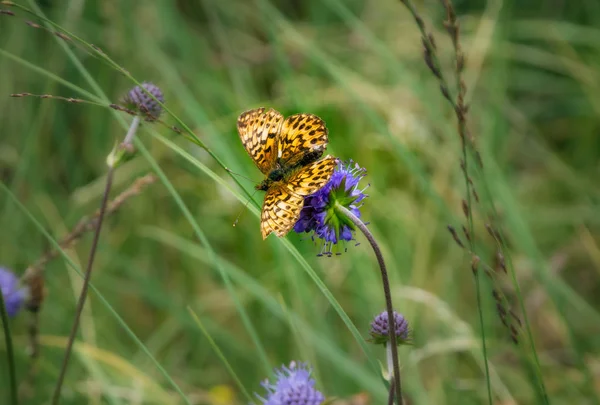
(287, 151)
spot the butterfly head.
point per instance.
(274, 176)
(264, 185)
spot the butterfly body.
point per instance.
(288, 152)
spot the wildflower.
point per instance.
(319, 213)
(13, 295)
(138, 99)
(380, 329)
(293, 385)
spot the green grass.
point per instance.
(183, 301)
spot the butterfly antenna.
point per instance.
(244, 209)
(240, 175)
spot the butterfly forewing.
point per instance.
(259, 131)
(301, 134)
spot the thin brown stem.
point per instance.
(386, 290)
(84, 288)
(33, 277)
(10, 354)
(112, 164)
(391, 394)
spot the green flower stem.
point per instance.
(10, 355)
(389, 357)
(390, 366)
(88, 271)
(132, 130)
(343, 211)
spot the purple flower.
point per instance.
(380, 329)
(319, 214)
(293, 386)
(13, 295)
(138, 99)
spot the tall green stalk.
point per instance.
(433, 63)
(10, 355)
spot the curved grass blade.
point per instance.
(220, 354)
(211, 254)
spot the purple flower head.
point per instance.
(293, 386)
(319, 214)
(380, 329)
(138, 100)
(13, 294)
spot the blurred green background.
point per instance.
(534, 89)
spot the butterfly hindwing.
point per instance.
(284, 200)
(311, 177)
(280, 211)
(259, 131)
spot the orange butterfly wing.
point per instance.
(284, 199)
(259, 131)
(301, 134)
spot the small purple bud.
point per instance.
(380, 329)
(138, 99)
